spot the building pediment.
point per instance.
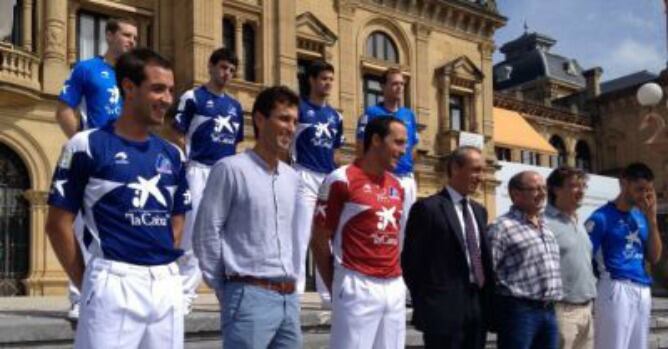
(461, 68)
(311, 28)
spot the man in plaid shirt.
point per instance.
(525, 257)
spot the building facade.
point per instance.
(444, 48)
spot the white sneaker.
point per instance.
(73, 314)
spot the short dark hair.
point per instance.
(388, 72)
(459, 157)
(269, 98)
(131, 65)
(113, 24)
(317, 67)
(516, 182)
(223, 54)
(637, 171)
(379, 126)
(558, 177)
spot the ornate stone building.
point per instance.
(444, 48)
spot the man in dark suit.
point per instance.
(446, 261)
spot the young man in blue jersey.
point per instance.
(314, 153)
(624, 235)
(91, 89)
(211, 123)
(393, 93)
(131, 189)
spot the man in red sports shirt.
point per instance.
(358, 212)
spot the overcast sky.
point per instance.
(621, 36)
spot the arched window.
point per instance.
(560, 146)
(380, 46)
(582, 156)
(14, 223)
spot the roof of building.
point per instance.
(627, 81)
(529, 58)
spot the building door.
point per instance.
(14, 223)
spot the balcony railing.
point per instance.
(19, 68)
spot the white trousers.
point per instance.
(621, 315)
(367, 312)
(191, 276)
(309, 184)
(409, 186)
(74, 293)
(130, 306)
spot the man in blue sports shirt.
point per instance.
(91, 89)
(393, 92)
(131, 189)
(211, 124)
(314, 151)
(624, 235)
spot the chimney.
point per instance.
(593, 80)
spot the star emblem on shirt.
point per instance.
(322, 128)
(58, 184)
(223, 123)
(386, 217)
(321, 210)
(144, 189)
(633, 238)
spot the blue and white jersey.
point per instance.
(213, 125)
(92, 88)
(319, 133)
(127, 193)
(405, 164)
(619, 240)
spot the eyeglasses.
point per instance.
(541, 188)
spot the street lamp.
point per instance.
(649, 94)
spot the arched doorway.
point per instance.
(14, 223)
(582, 156)
(560, 146)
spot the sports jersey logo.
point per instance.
(121, 158)
(386, 217)
(163, 165)
(633, 246)
(187, 197)
(322, 128)
(64, 89)
(209, 104)
(146, 188)
(321, 210)
(310, 113)
(114, 95)
(223, 123)
(105, 74)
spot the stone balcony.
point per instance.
(19, 76)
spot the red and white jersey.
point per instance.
(364, 212)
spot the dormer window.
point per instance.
(570, 69)
(504, 73)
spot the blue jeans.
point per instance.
(526, 325)
(256, 318)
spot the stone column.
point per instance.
(46, 276)
(286, 72)
(239, 46)
(347, 68)
(54, 67)
(27, 25)
(422, 80)
(72, 30)
(475, 119)
(198, 19)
